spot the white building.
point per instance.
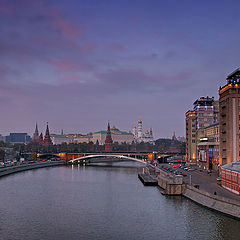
(139, 136)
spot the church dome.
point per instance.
(147, 132)
(139, 121)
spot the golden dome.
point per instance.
(134, 127)
(147, 132)
(113, 127)
(139, 121)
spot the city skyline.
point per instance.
(77, 65)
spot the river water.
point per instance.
(101, 202)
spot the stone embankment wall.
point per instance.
(9, 170)
(172, 184)
(221, 204)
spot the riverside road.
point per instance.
(206, 181)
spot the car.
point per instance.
(219, 179)
(186, 168)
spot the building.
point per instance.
(47, 141)
(117, 136)
(208, 147)
(70, 138)
(139, 136)
(230, 177)
(204, 114)
(191, 138)
(2, 138)
(204, 111)
(18, 138)
(108, 140)
(35, 138)
(229, 110)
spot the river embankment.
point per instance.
(25, 167)
(221, 204)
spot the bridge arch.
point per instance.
(120, 158)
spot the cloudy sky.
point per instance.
(79, 63)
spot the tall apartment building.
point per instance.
(191, 137)
(229, 110)
(203, 115)
(204, 111)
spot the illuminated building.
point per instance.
(203, 115)
(139, 136)
(229, 110)
(208, 147)
(191, 129)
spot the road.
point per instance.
(207, 182)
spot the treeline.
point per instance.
(161, 145)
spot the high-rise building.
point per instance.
(191, 136)
(204, 111)
(229, 110)
(18, 138)
(108, 141)
(202, 116)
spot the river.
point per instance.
(101, 202)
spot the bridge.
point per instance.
(98, 157)
(104, 158)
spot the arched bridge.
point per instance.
(103, 158)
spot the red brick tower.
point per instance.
(47, 139)
(35, 138)
(108, 141)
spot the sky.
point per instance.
(78, 64)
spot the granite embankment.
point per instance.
(224, 205)
(175, 185)
(24, 167)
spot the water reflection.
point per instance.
(101, 202)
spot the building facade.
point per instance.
(208, 147)
(230, 177)
(229, 110)
(139, 136)
(18, 138)
(108, 141)
(191, 137)
(202, 119)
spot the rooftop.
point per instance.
(234, 166)
(235, 75)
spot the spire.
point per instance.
(108, 127)
(108, 140)
(41, 138)
(35, 138)
(47, 139)
(36, 129)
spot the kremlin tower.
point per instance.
(35, 138)
(47, 139)
(41, 138)
(108, 141)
